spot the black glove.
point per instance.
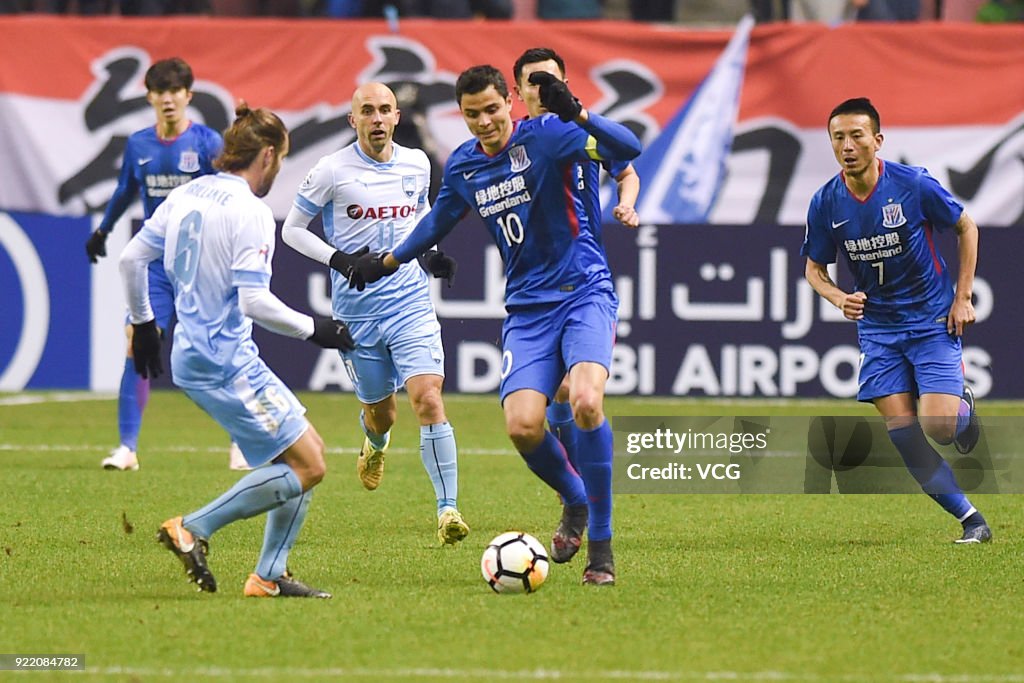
(368, 268)
(440, 265)
(332, 334)
(146, 350)
(96, 246)
(342, 262)
(556, 96)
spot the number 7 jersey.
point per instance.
(889, 243)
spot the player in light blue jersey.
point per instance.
(568, 537)
(216, 241)
(156, 160)
(518, 177)
(882, 216)
(371, 194)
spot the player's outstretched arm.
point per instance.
(961, 313)
(270, 313)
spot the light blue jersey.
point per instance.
(366, 203)
(216, 236)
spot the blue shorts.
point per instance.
(541, 343)
(260, 413)
(391, 350)
(161, 297)
(918, 362)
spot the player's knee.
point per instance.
(941, 431)
(562, 395)
(312, 466)
(588, 409)
(526, 436)
(429, 406)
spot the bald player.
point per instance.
(371, 194)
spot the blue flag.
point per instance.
(682, 170)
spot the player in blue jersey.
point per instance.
(518, 177)
(568, 537)
(373, 192)
(156, 160)
(882, 216)
(215, 238)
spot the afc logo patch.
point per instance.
(188, 162)
(520, 161)
(409, 185)
(892, 216)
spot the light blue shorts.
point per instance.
(926, 361)
(260, 413)
(541, 343)
(391, 350)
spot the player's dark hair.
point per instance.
(252, 130)
(534, 55)
(169, 74)
(858, 105)
(477, 79)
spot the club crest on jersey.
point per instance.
(188, 162)
(892, 216)
(409, 185)
(520, 162)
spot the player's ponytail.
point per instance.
(252, 130)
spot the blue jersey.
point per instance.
(529, 197)
(152, 167)
(888, 242)
(588, 176)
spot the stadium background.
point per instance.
(716, 308)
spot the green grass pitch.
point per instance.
(710, 588)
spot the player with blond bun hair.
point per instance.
(215, 239)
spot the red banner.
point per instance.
(951, 95)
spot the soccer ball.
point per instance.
(514, 562)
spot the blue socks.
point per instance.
(131, 402)
(932, 472)
(258, 491)
(378, 441)
(283, 526)
(550, 463)
(440, 460)
(564, 427)
(595, 465)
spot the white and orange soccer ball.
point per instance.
(514, 562)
